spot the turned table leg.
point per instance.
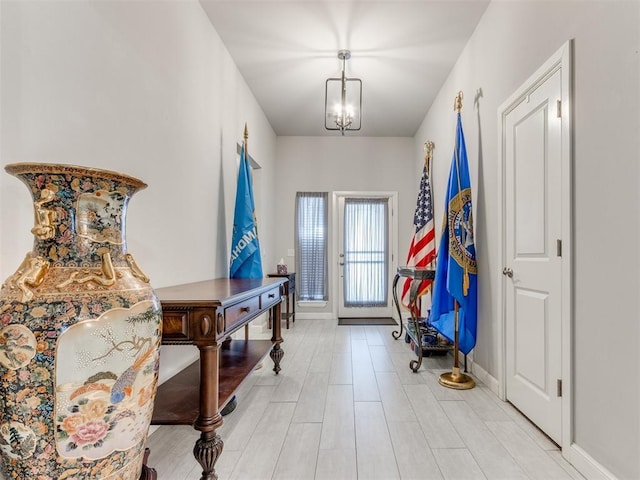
(207, 450)
(276, 353)
(209, 446)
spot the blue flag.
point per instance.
(245, 247)
(456, 272)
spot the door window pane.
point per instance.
(365, 252)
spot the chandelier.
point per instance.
(343, 100)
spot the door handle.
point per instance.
(508, 272)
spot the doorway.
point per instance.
(535, 139)
(364, 246)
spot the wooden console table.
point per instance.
(205, 314)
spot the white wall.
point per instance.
(145, 88)
(511, 41)
(336, 163)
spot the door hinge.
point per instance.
(559, 247)
(559, 387)
(559, 108)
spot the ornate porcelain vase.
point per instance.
(80, 332)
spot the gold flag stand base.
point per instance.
(457, 380)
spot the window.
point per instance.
(311, 245)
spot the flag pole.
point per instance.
(428, 147)
(455, 379)
(246, 156)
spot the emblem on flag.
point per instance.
(461, 245)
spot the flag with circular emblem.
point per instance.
(456, 271)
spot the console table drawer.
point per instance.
(183, 325)
(175, 325)
(270, 297)
(239, 312)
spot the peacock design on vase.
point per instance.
(80, 330)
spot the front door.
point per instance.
(364, 256)
(533, 269)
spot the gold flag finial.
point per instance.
(428, 147)
(457, 105)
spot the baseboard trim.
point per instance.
(315, 316)
(587, 466)
(485, 377)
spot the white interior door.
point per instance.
(364, 258)
(532, 251)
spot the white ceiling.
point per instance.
(402, 50)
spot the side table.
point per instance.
(287, 291)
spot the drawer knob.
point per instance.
(272, 295)
(220, 326)
(245, 309)
(205, 325)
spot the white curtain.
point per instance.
(365, 252)
(311, 245)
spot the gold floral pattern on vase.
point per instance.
(80, 330)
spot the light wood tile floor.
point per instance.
(347, 406)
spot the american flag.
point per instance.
(422, 251)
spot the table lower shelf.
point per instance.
(440, 347)
(178, 399)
